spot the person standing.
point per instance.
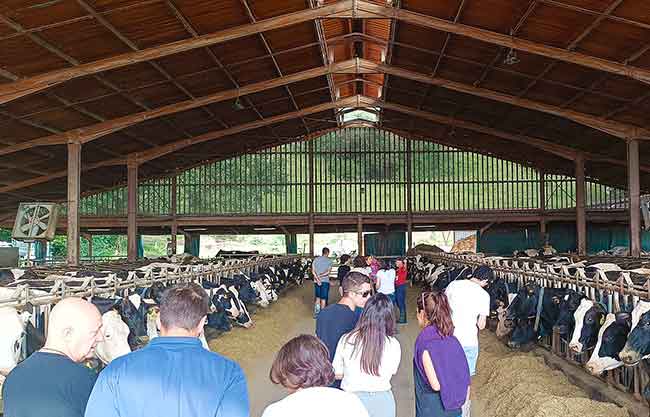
(174, 375)
(320, 268)
(373, 264)
(359, 264)
(337, 319)
(440, 369)
(470, 307)
(368, 357)
(52, 382)
(302, 366)
(344, 268)
(400, 289)
(386, 280)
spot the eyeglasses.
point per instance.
(364, 294)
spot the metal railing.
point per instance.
(61, 286)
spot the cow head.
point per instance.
(568, 306)
(638, 342)
(521, 316)
(115, 342)
(611, 340)
(11, 337)
(589, 317)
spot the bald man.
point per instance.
(52, 382)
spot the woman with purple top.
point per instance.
(440, 369)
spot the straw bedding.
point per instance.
(513, 384)
(271, 327)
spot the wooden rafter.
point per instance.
(12, 91)
(325, 55)
(90, 133)
(500, 39)
(253, 19)
(351, 102)
(151, 154)
(619, 130)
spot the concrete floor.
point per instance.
(263, 392)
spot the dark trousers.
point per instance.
(400, 298)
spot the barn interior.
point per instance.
(524, 120)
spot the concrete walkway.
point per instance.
(299, 321)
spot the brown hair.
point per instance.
(303, 362)
(369, 336)
(437, 310)
(183, 306)
(353, 282)
(359, 262)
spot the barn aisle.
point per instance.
(508, 384)
(255, 348)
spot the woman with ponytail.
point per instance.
(440, 369)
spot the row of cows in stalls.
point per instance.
(530, 298)
(128, 299)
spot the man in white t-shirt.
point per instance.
(470, 308)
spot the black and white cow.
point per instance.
(637, 346)
(589, 317)
(611, 341)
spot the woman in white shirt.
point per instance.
(302, 366)
(386, 280)
(368, 356)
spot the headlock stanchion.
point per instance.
(32, 292)
(615, 292)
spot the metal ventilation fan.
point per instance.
(36, 221)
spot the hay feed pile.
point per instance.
(269, 333)
(514, 384)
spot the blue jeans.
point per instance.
(471, 353)
(322, 291)
(400, 298)
(379, 403)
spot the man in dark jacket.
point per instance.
(173, 375)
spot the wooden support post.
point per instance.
(542, 207)
(635, 198)
(132, 213)
(74, 187)
(312, 246)
(360, 250)
(581, 220)
(89, 239)
(310, 191)
(173, 209)
(409, 198)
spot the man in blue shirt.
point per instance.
(320, 268)
(173, 375)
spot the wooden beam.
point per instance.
(353, 102)
(483, 35)
(635, 198)
(581, 219)
(59, 174)
(74, 188)
(132, 211)
(360, 250)
(617, 129)
(17, 89)
(561, 151)
(89, 133)
(157, 152)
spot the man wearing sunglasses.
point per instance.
(337, 319)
